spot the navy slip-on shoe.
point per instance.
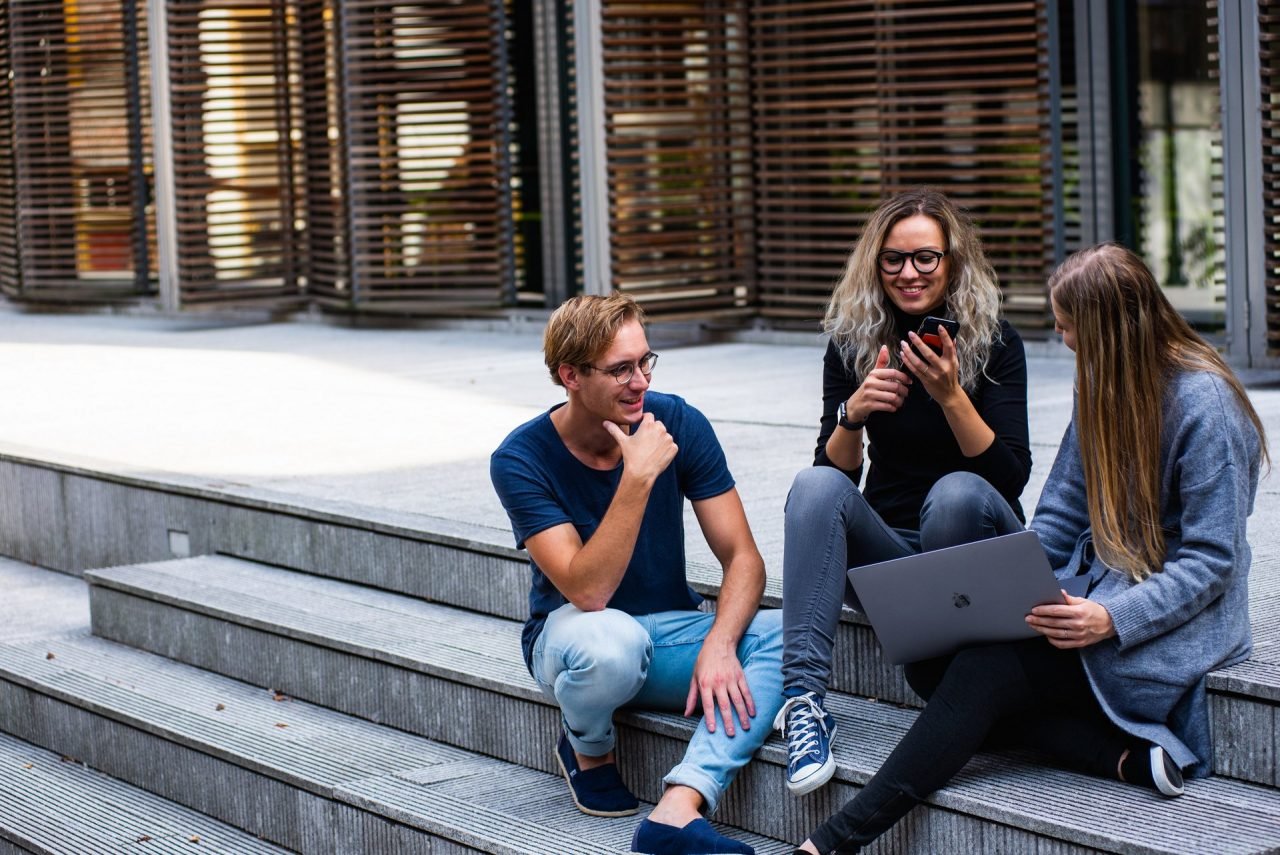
(696, 838)
(599, 791)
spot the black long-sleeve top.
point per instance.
(910, 449)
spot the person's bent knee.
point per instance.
(763, 638)
(958, 490)
(818, 487)
(607, 647)
(962, 507)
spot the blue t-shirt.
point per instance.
(541, 485)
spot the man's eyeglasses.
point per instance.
(624, 372)
(923, 260)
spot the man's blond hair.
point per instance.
(583, 328)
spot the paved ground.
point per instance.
(401, 422)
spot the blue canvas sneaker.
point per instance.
(808, 730)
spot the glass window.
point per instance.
(1166, 68)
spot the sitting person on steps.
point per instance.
(595, 490)
(948, 439)
(1148, 500)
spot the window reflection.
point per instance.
(1177, 186)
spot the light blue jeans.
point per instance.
(829, 527)
(593, 663)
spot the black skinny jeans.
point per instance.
(1029, 692)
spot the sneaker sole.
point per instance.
(1160, 774)
(818, 778)
(588, 811)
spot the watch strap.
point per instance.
(842, 418)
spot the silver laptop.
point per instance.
(935, 602)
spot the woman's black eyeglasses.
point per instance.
(923, 260)
(624, 372)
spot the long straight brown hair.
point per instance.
(1129, 343)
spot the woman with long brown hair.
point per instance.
(1148, 499)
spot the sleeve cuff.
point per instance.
(1132, 623)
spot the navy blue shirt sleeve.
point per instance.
(700, 464)
(526, 494)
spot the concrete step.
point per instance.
(53, 805)
(457, 677)
(89, 516)
(305, 777)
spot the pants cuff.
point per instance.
(685, 775)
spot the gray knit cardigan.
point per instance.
(1192, 616)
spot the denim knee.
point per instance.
(763, 639)
(607, 650)
(963, 507)
(957, 490)
(818, 489)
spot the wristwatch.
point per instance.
(842, 418)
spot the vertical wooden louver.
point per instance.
(678, 142)
(10, 278)
(74, 214)
(426, 112)
(234, 68)
(324, 152)
(1269, 32)
(856, 101)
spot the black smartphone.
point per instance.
(928, 331)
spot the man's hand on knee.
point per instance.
(720, 684)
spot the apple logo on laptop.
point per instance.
(960, 600)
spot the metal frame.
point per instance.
(557, 266)
(1093, 84)
(162, 158)
(1242, 179)
(597, 269)
(1055, 132)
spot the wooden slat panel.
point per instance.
(73, 195)
(235, 71)
(678, 128)
(10, 277)
(324, 150)
(857, 101)
(426, 132)
(1269, 32)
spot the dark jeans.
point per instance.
(829, 527)
(1028, 692)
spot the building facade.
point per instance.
(715, 159)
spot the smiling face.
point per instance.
(604, 397)
(910, 290)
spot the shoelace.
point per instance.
(804, 718)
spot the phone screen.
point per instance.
(928, 331)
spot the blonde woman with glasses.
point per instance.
(945, 420)
(1148, 500)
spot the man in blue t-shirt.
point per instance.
(595, 490)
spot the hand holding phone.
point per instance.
(928, 331)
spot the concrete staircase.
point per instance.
(352, 685)
(52, 804)
(326, 715)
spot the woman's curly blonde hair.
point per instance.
(859, 317)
